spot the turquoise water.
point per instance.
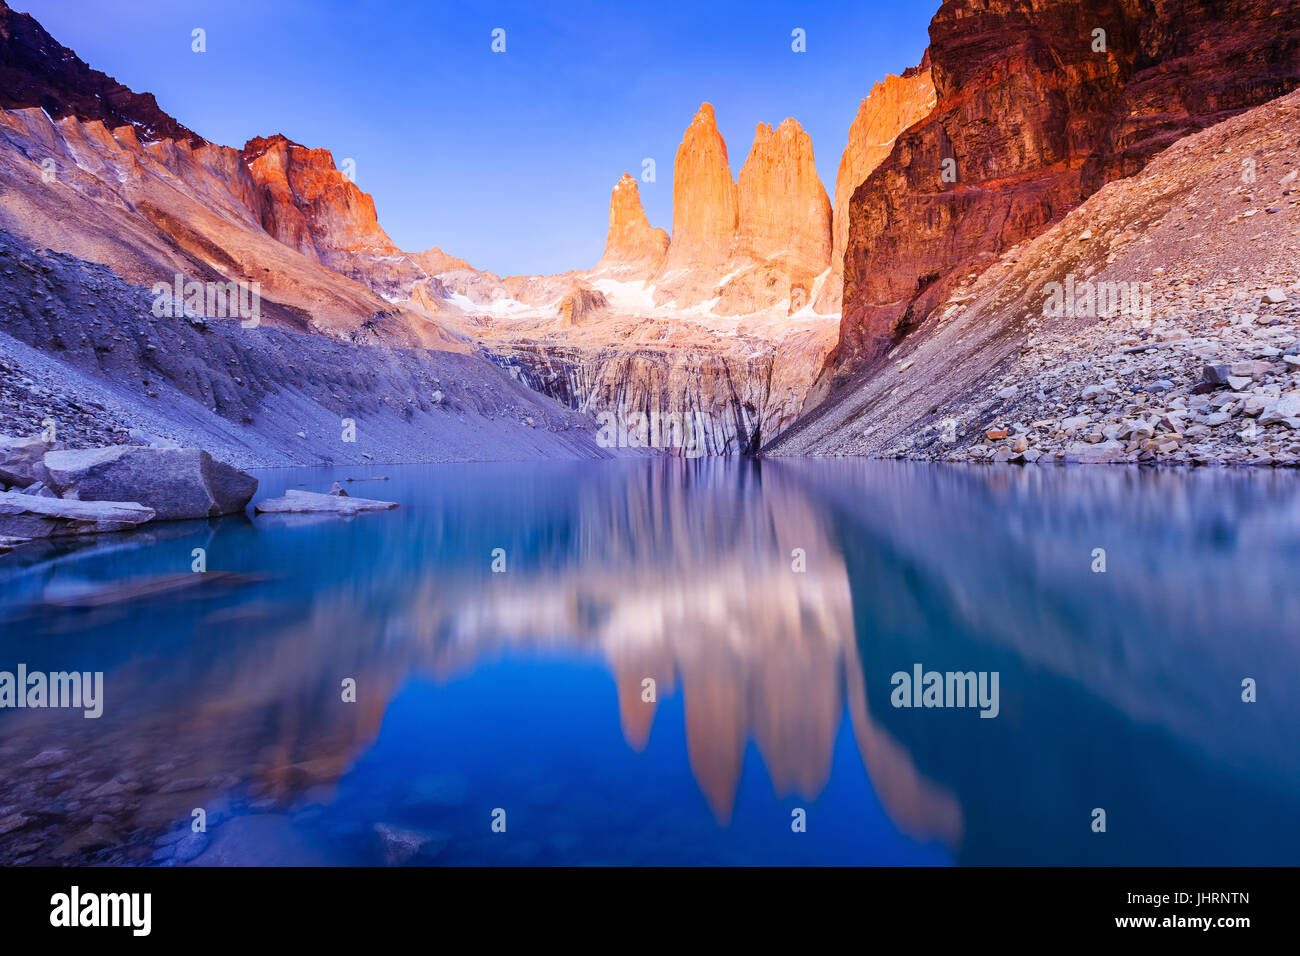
(524, 690)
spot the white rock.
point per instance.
(295, 501)
(1100, 453)
(31, 516)
(1285, 410)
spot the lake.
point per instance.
(674, 662)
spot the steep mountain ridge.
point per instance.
(893, 105)
(37, 71)
(1157, 322)
(82, 347)
(633, 248)
(1040, 102)
(153, 211)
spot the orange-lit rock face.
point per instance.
(745, 247)
(150, 211)
(1029, 123)
(704, 197)
(580, 303)
(308, 204)
(892, 106)
(783, 208)
(633, 247)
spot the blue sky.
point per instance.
(505, 159)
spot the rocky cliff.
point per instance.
(633, 248)
(303, 200)
(893, 105)
(154, 211)
(745, 246)
(37, 71)
(1040, 102)
(704, 198)
(783, 227)
(1158, 322)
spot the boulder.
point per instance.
(1216, 375)
(295, 501)
(1096, 454)
(30, 516)
(1285, 411)
(175, 482)
(20, 460)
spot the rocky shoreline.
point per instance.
(1211, 384)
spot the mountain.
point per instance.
(745, 246)
(765, 318)
(704, 197)
(1158, 322)
(633, 248)
(712, 327)
(893, 105)
(1040, 103)
(104, 200)
(36, 71)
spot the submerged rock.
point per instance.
(31, 516)
(295, 501)
(401, 844)
(175, 482)
(8, 543)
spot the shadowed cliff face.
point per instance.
(36, 71)
(254, 396)
(732, 383)
(1032, 117)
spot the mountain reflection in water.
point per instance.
(478, 690)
